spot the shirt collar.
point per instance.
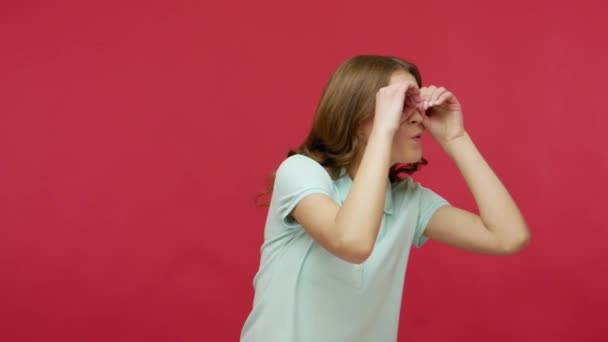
(344, 183)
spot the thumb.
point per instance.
(426, 121)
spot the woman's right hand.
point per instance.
(392, 102)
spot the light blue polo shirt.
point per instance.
(304, 293)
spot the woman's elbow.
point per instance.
(516, 244)
(356, 251)
(359, 257)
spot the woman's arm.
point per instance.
(349, 232)
(500, 227)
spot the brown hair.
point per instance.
(347, 100)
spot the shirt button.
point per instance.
(358, 267)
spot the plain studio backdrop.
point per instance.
(134, 136)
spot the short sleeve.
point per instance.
(429, 203)
(297, 177)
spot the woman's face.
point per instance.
(407, 143)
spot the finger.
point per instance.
(413, 101)
(430, 89)
(427, 95)
(406, 89)
(438, 92)
(412, 88)
(423, 97)
(396, 90)
(401, 87)
(419, 103)
(425, 120)
(420, 106)
(444, 97)
(414, 96)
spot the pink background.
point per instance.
(134, 136)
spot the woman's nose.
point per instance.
(416, 117)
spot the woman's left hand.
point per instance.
(442, 114)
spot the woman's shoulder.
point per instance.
(299, 158)
(301, 166)
(299, 161)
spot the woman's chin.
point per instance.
(408, 158)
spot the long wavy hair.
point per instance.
(349, 98)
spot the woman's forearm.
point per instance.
(360, 216)
(497, 209)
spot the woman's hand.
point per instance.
(443, 114)
(394, 100)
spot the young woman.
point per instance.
(342, 220)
